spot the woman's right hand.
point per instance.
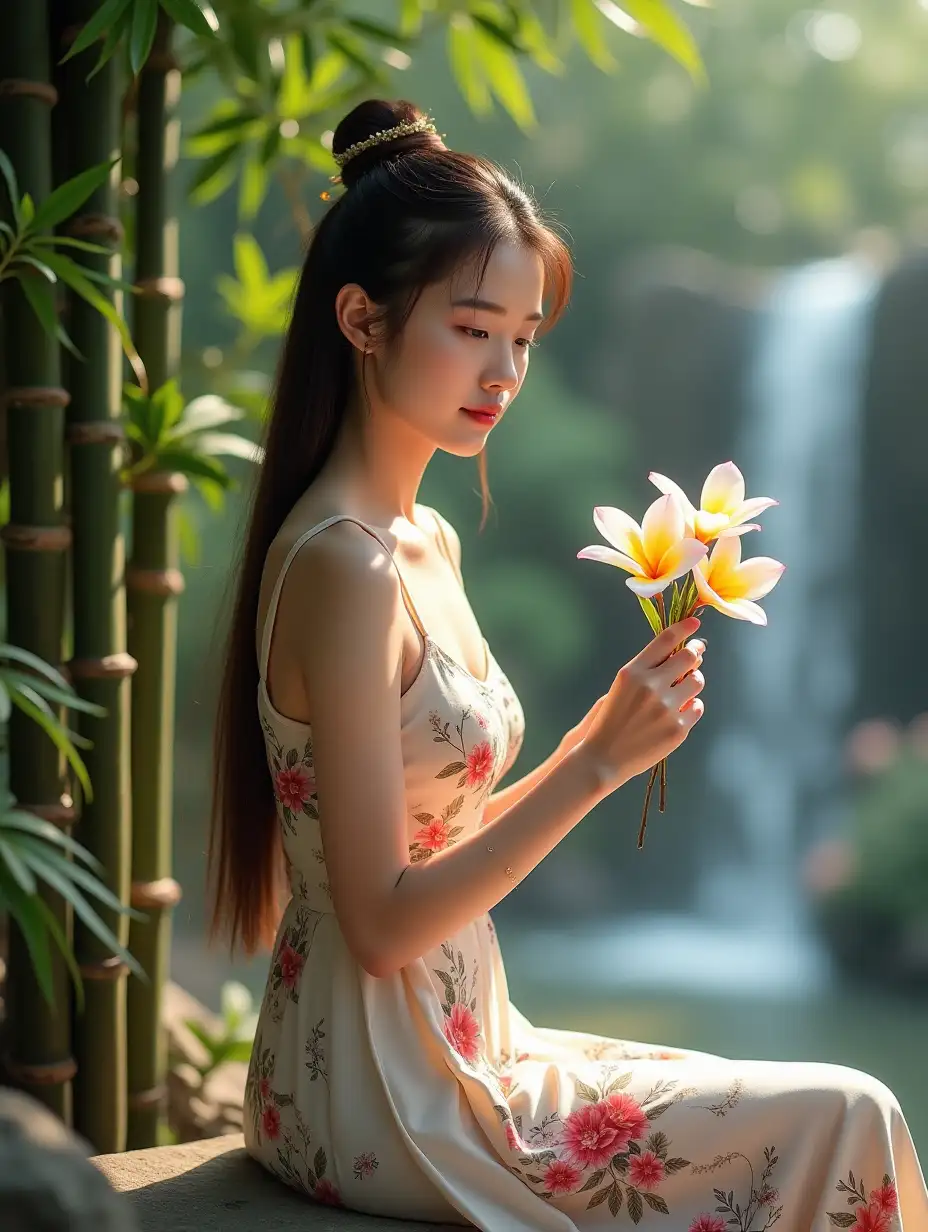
(650, 709)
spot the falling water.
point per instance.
(777, 765)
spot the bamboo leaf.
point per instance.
(12, 188)
(59, 938)
(48, 274)
(112, 40)
(196, 15)
(410, 17)
(105, 16)
(41, 299)
(142, 34)
(28, 823)
(354, 52)
(19, 870)
(37, 708)
(505, 76)
(167, 407)
(252, 187)
(63, 882)
(51, 692)
(27, 209)
(74, 276)
(189, 463)
(62, 203)
(27, 916)
(668, 31)
(207, 412)
(466, 69)
(228, 444)
(67, 241)
(215, 176)
(16, 654)
(589, 30)
(376, 31)
(80, 876)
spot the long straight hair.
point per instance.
(412, 214)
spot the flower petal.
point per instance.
(681, 558)
(758, 576)
(622, 531)
(743, 609)
(723, 490)
(726, 555)
(673, 489)
(647, 587)
(751, 508)
(609, 556)
(739, 530)
(662, 526)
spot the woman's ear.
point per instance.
(356, 314)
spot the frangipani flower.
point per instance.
(729, 586)
(655, 553)
(723, 509)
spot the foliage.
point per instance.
(30, 254)
(33, 850)
(233, 1041)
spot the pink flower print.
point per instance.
(590, 1137)
(365, 1165)
(264, 1089)
(270, 1121)
(885, 1198)
(462, 1031)
(505, 1082)
(561, 1177)
(707, 1223)
(627, 1116)
(515, 1142)
(326, 1192)
(646, 1171)
(482, 721)
(295, 787)
(768, 1196)
(479, 764)
(434, 836)
(291, 964)
(872, 1218)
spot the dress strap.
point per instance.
(288, 560)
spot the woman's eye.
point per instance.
(473, 331)
(527, 342)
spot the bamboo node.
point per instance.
(101, 226)
(162, 287)
(163, 582)
(165, 892)
(116, 666)
(20, 538)
(49, 1074)
(35, 397)
(106, 969)
(166, 483)
(151, 1098)
(19, 87)
(63, 814)
(95, 432)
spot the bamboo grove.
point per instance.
(101, 448)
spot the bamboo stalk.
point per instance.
(89, 133)
(154, 584)
(38, 1042)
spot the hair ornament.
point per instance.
(406, 129)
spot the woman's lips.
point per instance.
(486, 418)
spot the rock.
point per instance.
(47, 1182)
(216, 1187)
(198, 1108)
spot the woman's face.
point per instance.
(463, 346)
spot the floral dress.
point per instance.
(427, 1094)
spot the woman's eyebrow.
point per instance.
(486, 305)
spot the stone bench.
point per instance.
(214, 1186)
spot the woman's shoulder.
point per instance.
(445, 528)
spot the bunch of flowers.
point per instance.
(670, 543)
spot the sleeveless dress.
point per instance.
(427, 1094)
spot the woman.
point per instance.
(363, 725)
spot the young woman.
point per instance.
(363, 725)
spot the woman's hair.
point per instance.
(413, 213)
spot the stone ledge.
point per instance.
(215, 1186)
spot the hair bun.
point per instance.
(375, 116)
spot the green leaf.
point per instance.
(27, 915)
(74, 276)
(650, 610)
(410, 17)
(466, 68)
(19, 870)
(67, 197)
(376, 31)
(64, 946)
(142, 34)
(66, 241)
(62, 876)
(228, 444)
(41, 299)
(669, 32)
(190, 463)
(505, 78)
(35, 707)
(207, 412)
(105, 16)
(80, 876)
(253, 187)
(214, 176)
(236, 124)
(12, 188)
(112, 40)
(14, 680)
(19, 820)
(167, 408)
(589, 29)
(354, 52)
(196, 15)
(48, 274)
(27, 209)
